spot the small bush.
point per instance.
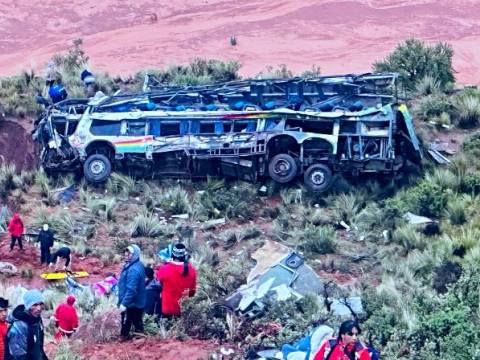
(146, 224)
(428, 85)
(41, 180)
(467, 106)
(456, 210)
(320, 240)
(471, 183)
(426, 199)
(174, 200)
(432, 106)
(409, 238)
(65, 352)
(118, 184)
(346, 206)
(445, 179)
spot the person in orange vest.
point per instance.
(16, 229)
(178, 278)
(3, 325)
(66, 318)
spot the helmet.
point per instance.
(57, 93)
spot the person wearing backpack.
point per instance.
(346, 346)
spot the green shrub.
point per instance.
(199, 71)
(174, 200)
(428, 85)
(318, 239)
(444, 178)
(237, 201)
(467, 106)
(456, 210)
(65, 352)
(346, 206)
(409, 238)
(471, 183)
(118, 184)
(432, 106)
(425, 198)
(414, 60)
(146, 224)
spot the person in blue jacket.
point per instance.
(153, 289)
(131, 292)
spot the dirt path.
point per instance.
(151, 349)
(339, 36)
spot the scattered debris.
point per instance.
(213, 223)
(286, 278)
(180, 216)
(66, 194)
(347, 307)
(344, 225)
(268, 255)
(417, 219)
(226, 352)
(439, 158)
(306, 347)
(8, 268)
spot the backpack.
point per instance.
(374, 353)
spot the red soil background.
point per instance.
(122, 36)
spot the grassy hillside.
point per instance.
(419, 285)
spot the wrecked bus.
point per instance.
(250, 130)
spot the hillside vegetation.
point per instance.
(419, 286)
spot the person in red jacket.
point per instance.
(66, 318)
(178, 277)
(346, 346)
(3, 325)
(15, 229)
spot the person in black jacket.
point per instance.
(45, 237)
(153, 289)
(64, 253)
(25, 336)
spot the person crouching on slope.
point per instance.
(66, 318)
(346, 346)
(131, 292)
(177, 277)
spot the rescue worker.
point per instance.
(3, 326)
(131, 292)
(66, 318)
(16, 229)
(177, 277)
(64, 253)
(45, 237)
(89, 82)
(346, 346)
(153, 288)
(25, 336)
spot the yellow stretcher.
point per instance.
(63, 275)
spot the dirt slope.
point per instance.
(16, 144)
(340, 36)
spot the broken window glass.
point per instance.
(136, 128)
